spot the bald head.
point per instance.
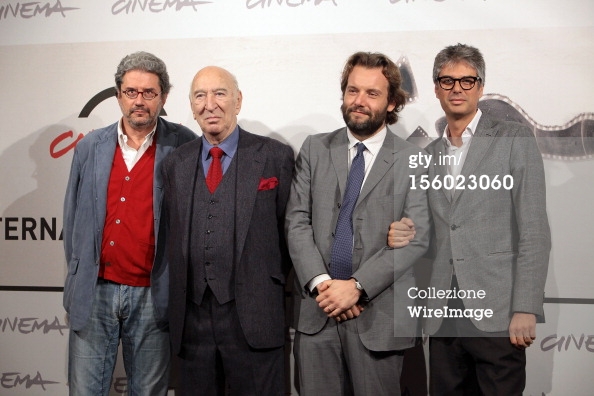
(215, 99)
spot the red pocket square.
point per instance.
(267, 184)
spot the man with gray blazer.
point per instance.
(117, 282)
(486, 190)
(350, 304)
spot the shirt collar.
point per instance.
(123, 139)
(469, 131)
(229, 145)
(372, 144)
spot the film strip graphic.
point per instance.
(572, 141)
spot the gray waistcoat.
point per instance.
(212, 240)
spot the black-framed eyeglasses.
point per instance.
(148, 94)
(466, 82)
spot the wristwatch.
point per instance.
(363, 299)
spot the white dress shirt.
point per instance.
(131, 155)
(459, 153)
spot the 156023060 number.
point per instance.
(461, 182)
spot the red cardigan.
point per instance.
(128, 246)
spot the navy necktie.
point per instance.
(341, 265)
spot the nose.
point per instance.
(457, 86)
(359, 99)
(210, 102)
(139, 100)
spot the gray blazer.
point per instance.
(497, 240)
(386, 274)
(84, 217)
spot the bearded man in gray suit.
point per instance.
(350, 294)
(491, 237)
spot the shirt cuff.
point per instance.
(311, 285)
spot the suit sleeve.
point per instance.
(387, 265)
(534, 244)
(307, 260)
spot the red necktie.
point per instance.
(215, 171)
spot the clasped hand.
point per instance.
(339, 299)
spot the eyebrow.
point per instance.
(212, 90)
(368, 90)
(136, 89)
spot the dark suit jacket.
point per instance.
(497, 239)
(85, 206)
(261, 259)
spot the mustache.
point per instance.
(137, 108)
(359, 109)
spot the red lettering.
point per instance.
(58, 153)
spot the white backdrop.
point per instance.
(287, 55)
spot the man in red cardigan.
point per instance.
(117, 282)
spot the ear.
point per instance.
(391, 106)
(238, 102)
(480, 90)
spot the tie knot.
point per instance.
(216, 152)
(360, 148)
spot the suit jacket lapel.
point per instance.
(104, 154)
(340, 158)
(382, 164)
(479, 146)
(165, 142)
(250, 167)
(188, 170)
(441, 170)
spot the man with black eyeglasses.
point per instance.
(491, 242)
(117, 282)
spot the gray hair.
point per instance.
(146, 62)
(454, 54)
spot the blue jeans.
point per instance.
(126, 313)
